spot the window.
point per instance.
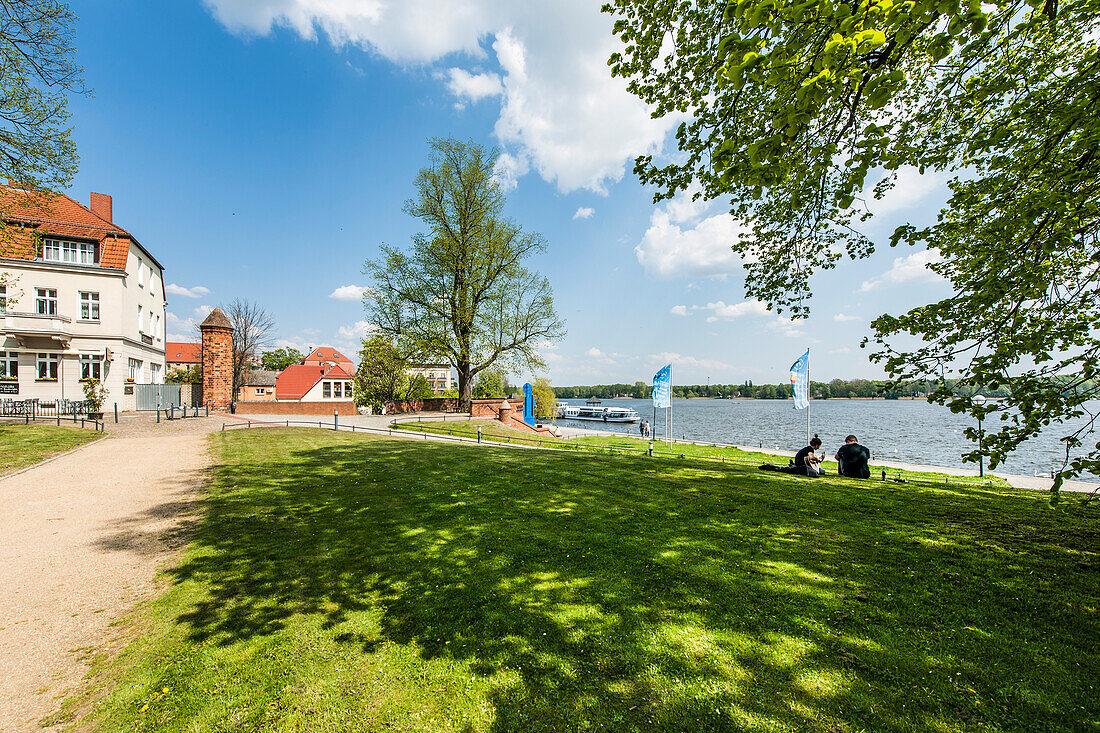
(156, 373)
(9, 365)
(347, 390)
(135, 369)
(338, 389)
(156, 331)
(45, 302)
(72, 253)
(141, 274)
(89, 306)
(91, 366)
(326, 389)
(259, 390)
(47, 367)
(139, 318)
(3, 298)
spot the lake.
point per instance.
(913, 431)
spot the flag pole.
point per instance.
(670, 437)
(808, 395)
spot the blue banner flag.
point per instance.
(800, 380)
(662, 387)
(528, 404)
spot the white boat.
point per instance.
(598, 414)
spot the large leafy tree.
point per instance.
(383, 375)
(277, 360)
(792, 109)
(37, 74)
(462, 292)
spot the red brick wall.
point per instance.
(296, 408)
(432, 404)
(217, 366)
(491, 408)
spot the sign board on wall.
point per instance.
(9, 387)
(128, 389)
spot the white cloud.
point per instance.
(682, 241)
(473, 87)
(910, 188)
(911, 268)
(196, 292)
(679, 310)
(358, 330)
(202, 312)
(562, 113)
(594, 353)
(787, 327)
(680, 360)
(842, 318)
(841, 350)
(723, 312)
(349, 292)
(584, 212)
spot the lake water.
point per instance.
(913, 431)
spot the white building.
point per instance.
(79, 298)
(439, 376)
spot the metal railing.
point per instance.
(42, 408)
(76, 420)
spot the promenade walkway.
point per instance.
(83, 537)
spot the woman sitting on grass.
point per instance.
(807, 460)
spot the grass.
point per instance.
(25, 445)
(342, 582)
(494, 430)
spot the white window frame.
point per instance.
(91, 367)
(154, 373)
(3, 298)
(135, 368)
(68, 253)
(46, 363)
(347, 390)
(326, 390)
(45, 301)
(140, 321)
(9, 365)
(89, 306)
(259, 391)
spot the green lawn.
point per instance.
(25, 445)
(494, 430)
(340, 582)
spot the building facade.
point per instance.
(182, 355)
(438, 376)
(312, 383)
(80, 298)
(327, 356)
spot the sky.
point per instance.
(263, 149)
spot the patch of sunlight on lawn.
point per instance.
(823, 682)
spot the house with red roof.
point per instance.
(314, 383)
(328, 356)
(80, 298)
(182, 355)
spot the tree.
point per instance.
(461, 292)
(491, 383)
(280, 359)
(419, 388)
(793, 105)
(381, 376)
(36, 147)
(253, 329)
(179, 375)
(546, 404)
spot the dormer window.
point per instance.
(70, 253)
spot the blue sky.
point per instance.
(262, 149)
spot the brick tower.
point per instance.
(217, 360)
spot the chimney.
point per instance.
(101, 206)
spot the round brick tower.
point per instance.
(217, 360)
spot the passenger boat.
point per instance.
(598, 414)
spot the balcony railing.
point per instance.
(37, 324)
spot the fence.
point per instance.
(42, 408)
(58, 419)
(157, 396)
(409, 430)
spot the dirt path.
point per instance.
(81, 540)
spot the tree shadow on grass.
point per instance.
(618, 593)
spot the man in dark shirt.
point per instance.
(852, 459)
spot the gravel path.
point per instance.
(82, 539)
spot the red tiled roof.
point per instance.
(175, 351)
(327, 353)
(57, 214)
(297, 379)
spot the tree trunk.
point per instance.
(465, 387)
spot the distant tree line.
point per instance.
(837, 388)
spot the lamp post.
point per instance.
(979, 400)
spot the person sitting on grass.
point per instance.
(852, 459)
(807, 460)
